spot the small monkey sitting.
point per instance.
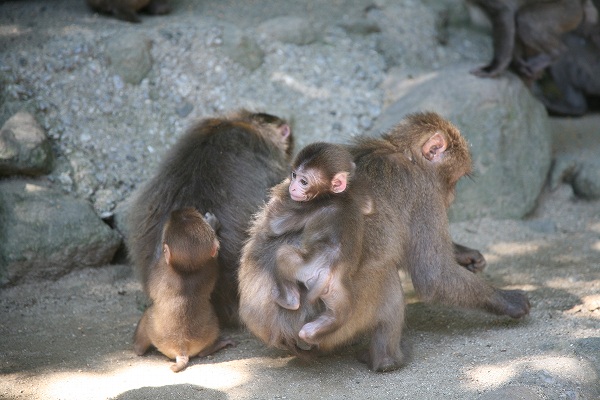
(181, 322)
(323, 204)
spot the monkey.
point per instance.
(324, 204)
(572, 81)
(180, 323)
(527, 33)
(127, 10)
(411, 172)
(223, 165)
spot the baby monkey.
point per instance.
(181, 322)
(322, 206)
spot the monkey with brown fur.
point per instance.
(411, 173)
(527, 33)
(222, 165)
(181, 323)
(127, 10)
(325, 204)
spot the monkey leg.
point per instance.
(338, 307)
(439, 278)
(503, 31)
(384, 352)
(141, 338)
(469, 258)
(289, 261)
(221, 343)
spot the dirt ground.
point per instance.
(71, 339)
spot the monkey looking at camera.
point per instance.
(181, 323)
(127, 10)
(322, 206)
(410, 174)
(222, 165)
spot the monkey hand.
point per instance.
(212, 220)
(471, 259)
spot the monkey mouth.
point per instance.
(295, 197)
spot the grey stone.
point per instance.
(508, 131)
(399, 22)
(289, 29)
(46, 234)
(24, 147)
(130, 56)
(241, 48)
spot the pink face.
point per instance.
(299, 187)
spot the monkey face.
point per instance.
(305, 185)
(299, 187)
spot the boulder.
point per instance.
(46, 234)
(507, 128)
(130, 57)
(25, 149)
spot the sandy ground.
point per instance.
(71, 339)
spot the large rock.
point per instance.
(45, 234)
(24, 147)
(242, 48)
(130, 56)
(508, 131)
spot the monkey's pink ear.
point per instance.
(339, 182)
(215, 249)
(434, 147)
(285, 130)
(167, 253)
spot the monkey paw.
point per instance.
(513, 303)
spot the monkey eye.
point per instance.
(303, 182)
(293, 175)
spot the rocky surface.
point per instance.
(24, 147)
(47, 233)
(112, 97)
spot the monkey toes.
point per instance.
(513, 303)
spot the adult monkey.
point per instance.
(527, 33)
(412, 171)
(224, 166)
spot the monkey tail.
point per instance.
(180, 363)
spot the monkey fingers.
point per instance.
(513, 303)
(469, 258)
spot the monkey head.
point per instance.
(188, 240)
(320, 169)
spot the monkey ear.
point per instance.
(434, 147)
(339, 182)
(285, 130)
(215, 249)
(167, 253)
